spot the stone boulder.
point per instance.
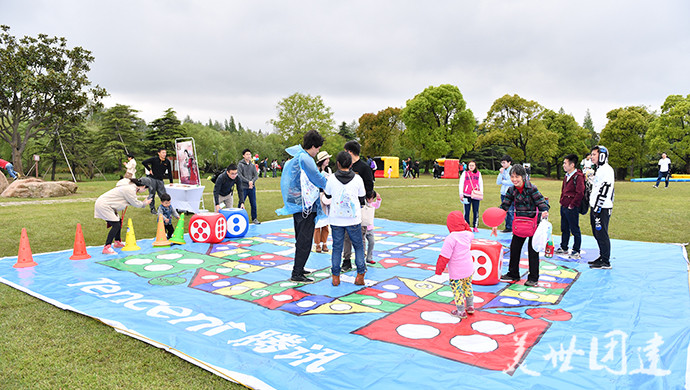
(37, 188)
(3, 182)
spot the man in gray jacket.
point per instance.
(247, 174)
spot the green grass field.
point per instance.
(44, 347)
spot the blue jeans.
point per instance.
(252, 199)
(509, 214)
(663, 175)
(570, 224)
(475, 211)
(10, 170)
(355, 234)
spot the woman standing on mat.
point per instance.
(527, 199)
(117, 199)
(321, 228)
(471, 192)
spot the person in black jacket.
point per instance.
(159, 168)
(222, 190)
(363, 169)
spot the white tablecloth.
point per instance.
(185, 197)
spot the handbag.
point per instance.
(476, 193)
(525, 226)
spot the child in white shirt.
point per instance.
(373, 202)
(346, 191)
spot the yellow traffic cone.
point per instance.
(130, 239)
(161, 238)
(178, 235)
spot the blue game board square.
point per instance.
(305, 304)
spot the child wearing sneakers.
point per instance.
(167, 211)
(456, 254)
(373, 202)
(345, 189)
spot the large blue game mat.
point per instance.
(230, 309)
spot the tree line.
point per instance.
(48, 107)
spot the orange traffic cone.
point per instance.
(79, 252)
(161, 238)
(24, 258)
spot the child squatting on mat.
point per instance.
(456, 254)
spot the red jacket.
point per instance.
(573, 190)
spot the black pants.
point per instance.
(169, 230)
(155, 186)
(304, 236)
(570, 224)
(516, 245)
(114, 233)
(600, 231)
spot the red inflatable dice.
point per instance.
(488, 258)
(208, 227)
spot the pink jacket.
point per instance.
(456, 248)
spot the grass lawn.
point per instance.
(44, 347)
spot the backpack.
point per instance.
(216, 174)
(584, 204)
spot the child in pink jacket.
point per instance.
(456, 254)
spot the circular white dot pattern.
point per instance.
(493, 327)
(190, 261)
(138, 261)
(371, 302)
(340, 307)
(439, 317)
(282, 297)
(169, 256)
(474, 343)
(417, 331)
(388, 295)
(158, 267)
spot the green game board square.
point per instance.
(368, 300)
(167, 262)
(442, 295)
(261, 292)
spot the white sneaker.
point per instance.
(560, 251)
(108, 250)
(575, 256)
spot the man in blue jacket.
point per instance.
(300, 184)
(503, 180)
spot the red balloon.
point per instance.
(493, 216)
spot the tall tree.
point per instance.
(122, 131)
(299, 113)
(164, 130)
(42, 82)
(670, 132)
(438, 122)
(231, 126)
(571, 138)
(347, 132)
(515, 122)
(624, 136)
(588, 125)
(378, 132)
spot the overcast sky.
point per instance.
(213, 59)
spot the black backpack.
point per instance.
(584, 204)
(215, 175)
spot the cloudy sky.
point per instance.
(216, 58)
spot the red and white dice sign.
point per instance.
(208, 227)
(487, 256)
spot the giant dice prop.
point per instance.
(237, 222)
(207, 227)
(488, 258)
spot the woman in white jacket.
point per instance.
(471, 192)
(117, 199)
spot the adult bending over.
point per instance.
(117, 199)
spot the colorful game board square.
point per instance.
(488, 340)
(240, 256)
(529, 295)
(305, 304)
(557, 271)
(230, 267)
(240, 288)
(371, 301)
(227, 253)
(153, 265)
(218, 284)
(395, 285)
(388, 262)
(277, 300)
(203, 276)
(260, 292)
(389, 296)
(421, 288)
(338, 306)
(414, 264)
(388, 233)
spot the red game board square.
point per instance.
(277, 300)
